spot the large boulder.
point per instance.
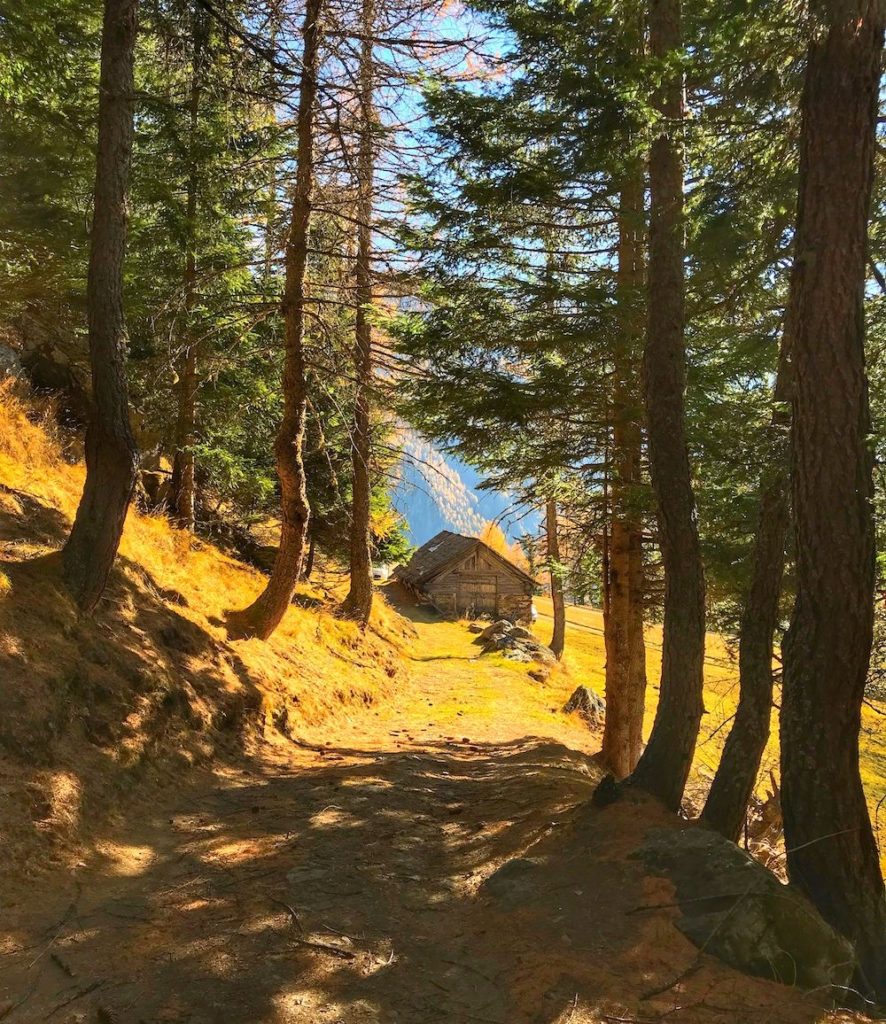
(735, 909)
(517, 642)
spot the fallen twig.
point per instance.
(296, 920)
(323, 947)
(79, 994)
(682, 976)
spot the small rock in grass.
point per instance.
(588, 704)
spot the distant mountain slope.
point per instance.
(439, 492)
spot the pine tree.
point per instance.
(264, 615)
(831, 852)
(664, 766)
(358, 602)
(111, 456)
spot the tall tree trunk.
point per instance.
(358, 603)
(111, 454)
(831, 853)
(665, 763)
(182, 488)
(558, 638)
(726, 806)
(264, 615)
(625, 646)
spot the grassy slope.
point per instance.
(94, 709)
(585, 660)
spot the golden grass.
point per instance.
(486, 699)
(585, 659)
(167, 561)
(152, 683)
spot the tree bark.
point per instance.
(831, 853)
(625, 646)
(264, 615)
(726, 806)
(558, 638)
(309, 559)
(182, 487)
(664, 765)
(111, 454)
(358, 603)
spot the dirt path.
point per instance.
(350, 883)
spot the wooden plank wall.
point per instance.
(479, 585)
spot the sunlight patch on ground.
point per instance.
(334, 817)
(243, 851)
(125, 860)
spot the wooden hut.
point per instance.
(462, 576)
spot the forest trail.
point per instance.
(347, 882)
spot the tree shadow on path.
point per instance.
(438, 883)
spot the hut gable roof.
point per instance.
(446, 548)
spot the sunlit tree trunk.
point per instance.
(625, 646)
(831, 853)
(111, 455)
(552, 534)
(264, 615)
(664, 765)
(358, 602)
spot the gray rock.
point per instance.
(521, 633)
(495, 629)
(734, 908)
(588, 704)
(475, 627)
(155, 487)
(499, 642)
(10, 362)
(544, 654)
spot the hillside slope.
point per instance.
(95, 708)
